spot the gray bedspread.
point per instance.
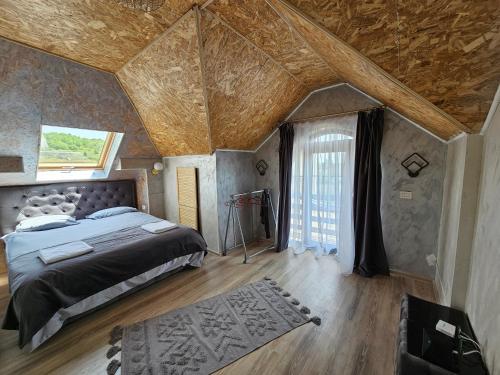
(38, 290)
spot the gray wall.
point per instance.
(269, 153)
(235, 174)
(37, 89)
(154, 183)
(483, 302)
(207, 193)
(41, 89)
(410, 227)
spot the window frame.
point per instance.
(106, 149)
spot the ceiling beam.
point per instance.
(360, 71)
(203, 76)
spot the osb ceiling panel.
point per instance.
(248, 93)
(364, 74)
(165, 84)
(447, 51)
(257, 21)
(100, 33)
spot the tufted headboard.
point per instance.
(77, 199)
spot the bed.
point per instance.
(125, 258)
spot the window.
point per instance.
(321, 189)
(72, 148)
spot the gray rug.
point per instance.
(204, 337)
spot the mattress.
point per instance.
(44, 297)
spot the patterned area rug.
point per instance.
(204, 337)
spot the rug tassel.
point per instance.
(115, 335)
(112, 351)
(278, 288)
(305, 310)
(295, 301)
(286, 294)
(113, 367)
(316, 320)
(267, 278)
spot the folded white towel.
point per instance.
(64, 251)
(159, 226)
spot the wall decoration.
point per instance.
(262, 167)
(414, 164)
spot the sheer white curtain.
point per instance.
(322, 188)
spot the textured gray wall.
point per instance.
(410, 227)
(340, 98)
(154, 183)
(235, 174)
(483, 302)
(37, 88)
(269, 153)
(207, 193)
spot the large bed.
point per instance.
(125, 257)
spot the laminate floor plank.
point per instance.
(357, 335)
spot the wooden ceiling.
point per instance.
(223, 76)
(446, 51)
(248, 93)
(165, 83)
(100, 33)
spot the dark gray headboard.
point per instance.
(77, 199)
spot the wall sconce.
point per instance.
(157, 168)
(414, 164)
(261, 167)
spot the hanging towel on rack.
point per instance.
(264, 212)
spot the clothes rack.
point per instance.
(239, 201)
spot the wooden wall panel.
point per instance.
(364, 74)
(187, 196)
(247, 92)
(165, 84)
(449, 51)
(100, 33)
(258, 22)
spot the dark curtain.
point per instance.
(370, 257)
(285, 184)
(264, 212)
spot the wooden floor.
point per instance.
(357, 334)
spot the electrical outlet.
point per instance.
(143, 207)
(405, 195)
(431, 260)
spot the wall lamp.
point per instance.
(414, 164)
(157, 168)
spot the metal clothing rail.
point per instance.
(235, 204)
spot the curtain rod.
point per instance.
(333, 115)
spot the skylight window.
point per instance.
(72, 148)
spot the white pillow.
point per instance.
(45, 222)
(107, 212)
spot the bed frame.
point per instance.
(76, 199)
